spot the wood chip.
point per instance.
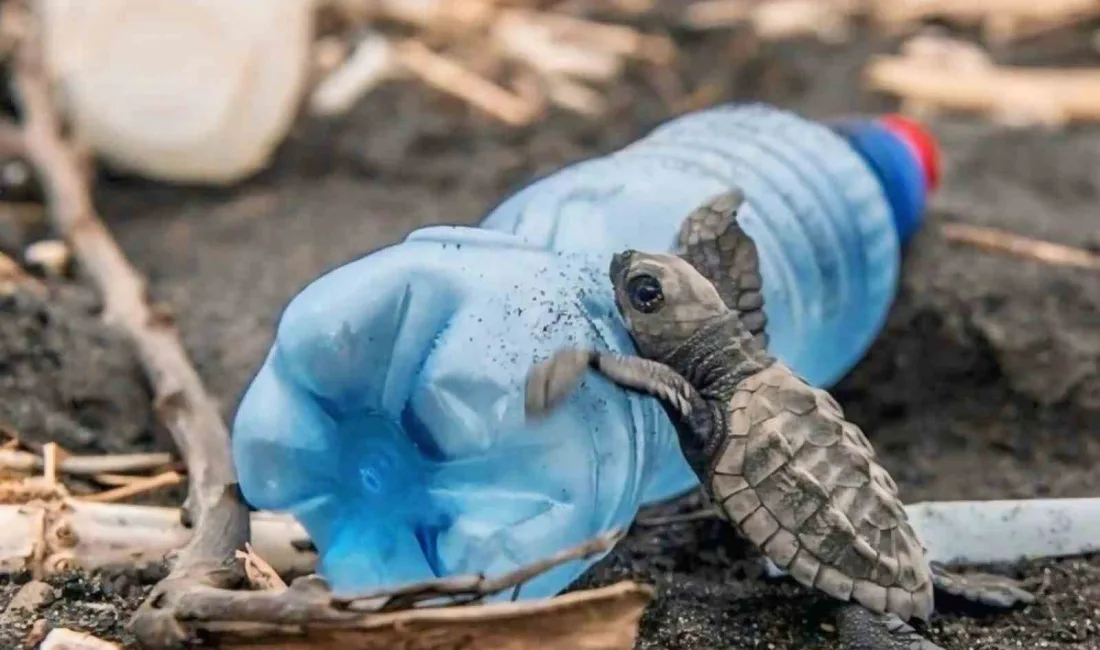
(259, 572)
(576, 97)
(451, 77)
(30, 489)
(12, 277)
(51, 256)
(50, 461)
(30, 598)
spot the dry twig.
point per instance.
(214, 504)
(25, 461)
(134, 488)
(775, 19)
(992, 239)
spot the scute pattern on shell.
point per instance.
(802, 484)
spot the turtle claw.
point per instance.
(862, 629)
(549, 382)
(987, 589)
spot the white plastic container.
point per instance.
(181, 90)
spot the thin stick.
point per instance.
(213, 504)
(115, 480)
(448, 76)
(49, 453)
(992, 239)
(86, 465)
(135, 488)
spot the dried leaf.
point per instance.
(597, 619)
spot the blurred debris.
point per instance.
(136, 487)
(372, 62)
(50, 256)
(455, 37)
(827, 20)
(12, 277)
(939, 73)
(992, 239)
(1002, 21)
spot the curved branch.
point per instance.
(214, 504)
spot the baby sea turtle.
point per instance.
(791, 475)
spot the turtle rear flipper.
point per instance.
(984, 589)
(713, 242)
(862, 629)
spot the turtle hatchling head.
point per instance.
(663, 300)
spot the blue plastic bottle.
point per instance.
(388, 415)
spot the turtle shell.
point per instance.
(802, 484)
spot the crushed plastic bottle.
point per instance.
(388, 416)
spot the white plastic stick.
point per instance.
(983, 532)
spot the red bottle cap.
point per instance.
(922, 142)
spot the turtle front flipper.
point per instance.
(652, 378)
(713, 242)
(985, 589)
(862, 629)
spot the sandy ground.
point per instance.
(986, 382)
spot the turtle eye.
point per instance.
(645, 293)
